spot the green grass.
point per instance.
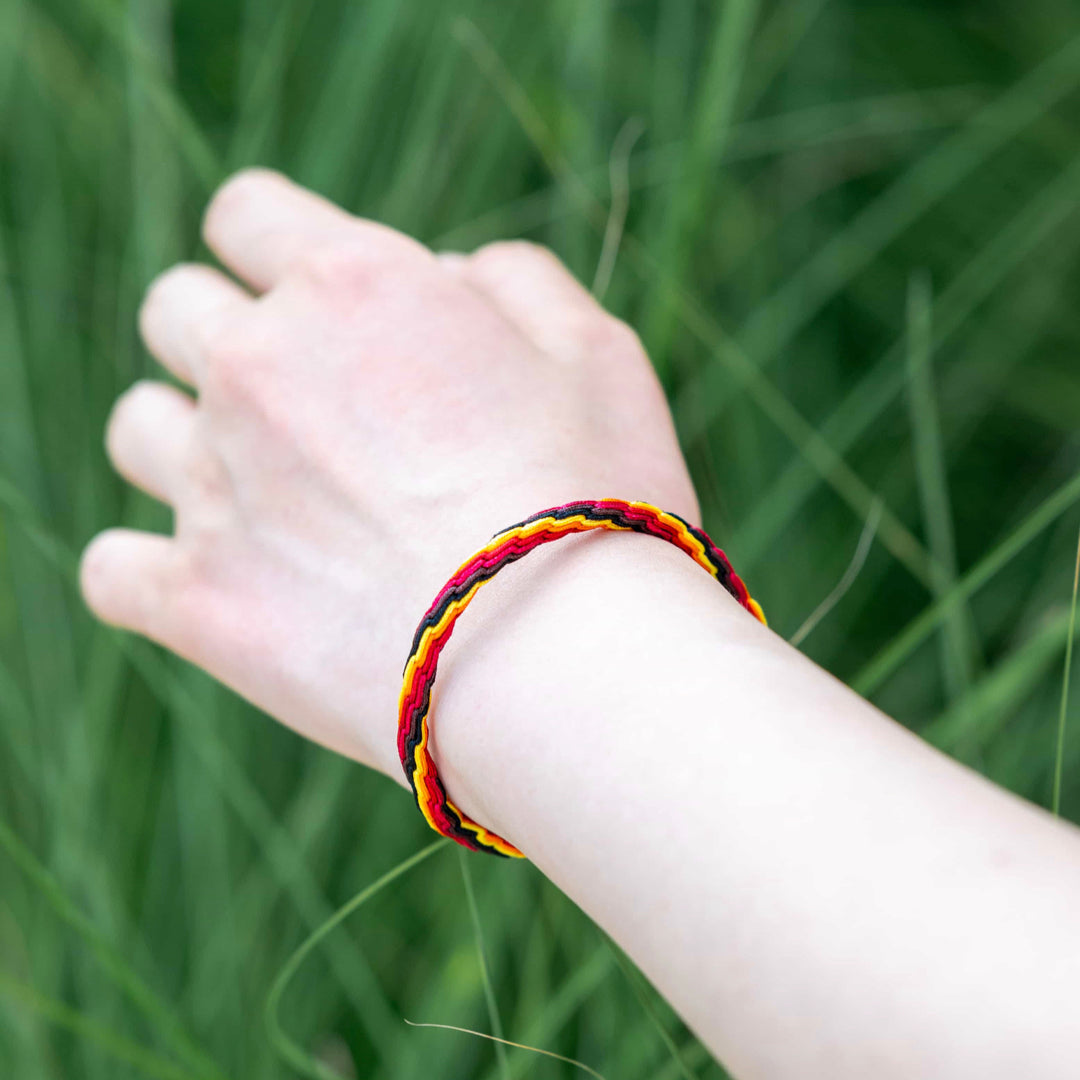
(848, 234)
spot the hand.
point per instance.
(363, 422)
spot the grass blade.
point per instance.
(506, 1042)
(829, 465)
(957, 632)
(629, 134)
(485, 971)
(110, 1041)
(970, 723)
(862, 549)
(156, 1011)
(1059, 752)
(286, 1047)
(633, 980)
(774, 324)
(894, 654)
(1039, 220)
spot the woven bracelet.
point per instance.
(438, 624)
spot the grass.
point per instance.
(847, 234)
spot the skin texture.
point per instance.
(815, 890)
(363, 422)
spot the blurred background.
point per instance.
(848, 233)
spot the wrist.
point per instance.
(544, 664)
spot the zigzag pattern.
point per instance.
(437, 625)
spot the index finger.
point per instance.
(261, 225)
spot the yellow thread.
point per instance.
(685, 539)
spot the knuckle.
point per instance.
(336, 269)
(246, 386)
(605, 335)
(233, 359)
(205, 475)
(177, 275)
(223, 331)
(622, 336)
(237, 191)
(186, 607)
(168, 297)
(204, 524)
(155, 605)
(171, 608)
(502, 252)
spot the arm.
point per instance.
(812, 887)
(817, 891)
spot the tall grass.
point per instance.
(848, 235)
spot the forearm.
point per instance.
(815, 889)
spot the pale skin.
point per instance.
(817, 892)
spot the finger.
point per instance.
(133, 579)
(182, 310)
(535, 291)
(150, 436)
(262, 225)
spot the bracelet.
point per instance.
(437, 625)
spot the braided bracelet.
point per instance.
(438, 624)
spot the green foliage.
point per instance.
(851, 245)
